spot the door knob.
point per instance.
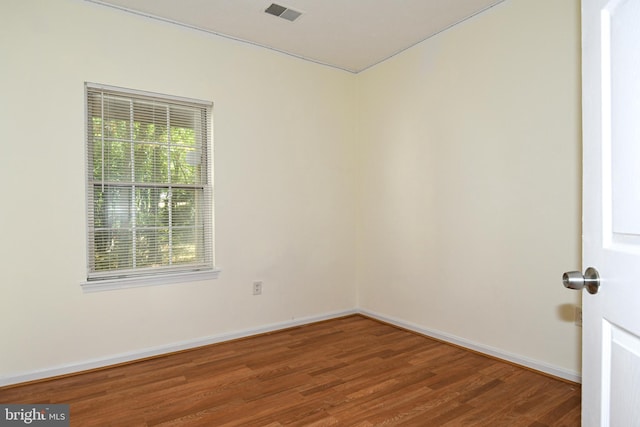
(575, 280)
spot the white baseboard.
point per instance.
(185, 345)
(481, 348)
(160, 350)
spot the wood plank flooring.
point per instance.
(352, 371)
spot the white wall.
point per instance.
(284, 179)
(440, 188)
(470, 182)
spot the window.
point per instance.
(149, 193)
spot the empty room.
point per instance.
(281, 227)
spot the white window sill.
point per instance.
(136, 282)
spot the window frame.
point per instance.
(127, 278)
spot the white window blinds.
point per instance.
(149, 193)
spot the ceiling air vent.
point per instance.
(283, 12)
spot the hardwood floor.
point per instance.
(352, 371)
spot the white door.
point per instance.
(611, 211)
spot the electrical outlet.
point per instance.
(257, 287)
(578, 318)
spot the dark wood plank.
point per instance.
(351, 371)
